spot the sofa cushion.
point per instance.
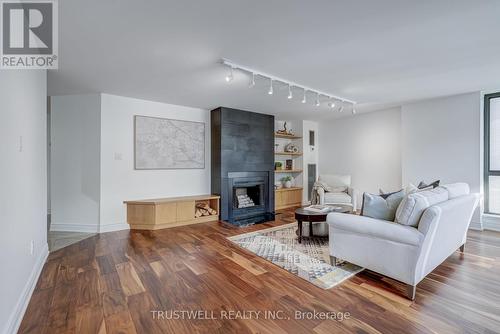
(457, 189)
(335, 180)
(382, 206)
(413, 205)
(337, 198)
(375, 228)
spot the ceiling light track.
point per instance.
(272, 79)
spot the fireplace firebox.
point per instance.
(248, 192)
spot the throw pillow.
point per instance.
(413, 205)
(411, 188)
(381, 206)
(339, 189)
(422, 185)
(324, 186)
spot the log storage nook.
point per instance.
(155, 214)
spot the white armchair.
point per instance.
(347, 197)
(404, 253)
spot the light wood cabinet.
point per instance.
(161, 213)
(287, 197)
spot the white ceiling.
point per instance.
(378, 53)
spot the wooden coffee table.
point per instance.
(302, 215)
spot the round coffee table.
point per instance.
(302, 215)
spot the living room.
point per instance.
(250, 167)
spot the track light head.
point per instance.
(353, 109)
(317, 100)
(271, 91)
(331, 104)
(252, 83)
(341, 109)
(229, 76)
(290, 96)
(304, 98)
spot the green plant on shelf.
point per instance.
(278, 165)
(286, 178)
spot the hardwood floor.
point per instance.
(111, 282)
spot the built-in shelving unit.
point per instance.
(288, 171)
(298, 154)
(279, 135)
(288, 197)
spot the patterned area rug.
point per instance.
(309, 260)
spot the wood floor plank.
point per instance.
(120, 323)
(110, 283)
(129, 279)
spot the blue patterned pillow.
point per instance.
(382, 206)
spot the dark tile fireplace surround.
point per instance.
(243, 165)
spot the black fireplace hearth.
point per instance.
(243, 165)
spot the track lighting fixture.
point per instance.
(331, 99)
(252, 83)
(229, 77)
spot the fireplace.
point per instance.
(242, 165)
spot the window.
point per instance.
(492, 153)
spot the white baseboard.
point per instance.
(114, 227)
(478, 226)
(17, 314)
(62, 227)
(491, 222)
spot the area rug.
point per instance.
(309, 260)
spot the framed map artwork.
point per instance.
(162, 143)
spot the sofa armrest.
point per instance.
(374, 228)
(354, 198)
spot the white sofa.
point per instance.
(334, 181)
(404, 253)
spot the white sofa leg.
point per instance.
(410, 291)
(333, 260)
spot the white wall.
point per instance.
(367, 147)
(23, 190)
(75, 162)
(310, 154)
(442, 140)
(119, 180)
